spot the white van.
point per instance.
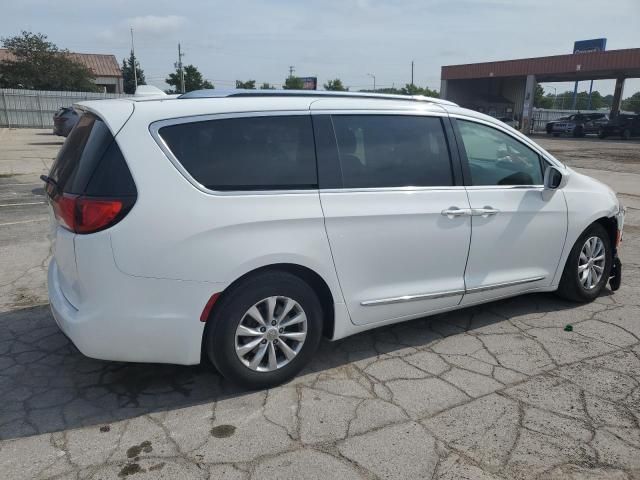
(246, 225)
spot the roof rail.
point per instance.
(212, 93)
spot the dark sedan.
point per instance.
(624, 125)
(64, 120)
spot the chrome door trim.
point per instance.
(495, 286)
(450, 293)
(411, 298)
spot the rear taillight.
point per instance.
(82, 214)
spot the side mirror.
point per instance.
(552, 178)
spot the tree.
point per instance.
(335, 85)
(127, 73)
(408, 89)
(41, 65)
(267, 86)
(632, 103)
(192, 80)
(540, 100)
(293, 83)
(412, 89)
(248, 85)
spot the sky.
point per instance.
(346, 39)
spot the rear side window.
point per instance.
(392, 151)
(91, 163)
(249, 153)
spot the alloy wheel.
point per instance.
(591, 262)
(271, 333)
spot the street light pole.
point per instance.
(374, 80)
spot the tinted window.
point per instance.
(496, 158)
(91, 162)
(256, 153)
(392, 151)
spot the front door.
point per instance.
(396, 253)
(518, 228)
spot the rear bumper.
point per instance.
(131, 319)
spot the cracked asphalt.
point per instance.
(500, 391)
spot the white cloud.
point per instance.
(155, 24)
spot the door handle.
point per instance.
(452, 212)
(484, 212)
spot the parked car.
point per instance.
(509, 121)
(244, 226)
(549, 126)
(580, 124)
(64, 120)
(624, 125)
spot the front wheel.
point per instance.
(587, 269)
(265, 330)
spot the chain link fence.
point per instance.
(35, 108)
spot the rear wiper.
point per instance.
(48, 180)
(51, 185)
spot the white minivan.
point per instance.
(244, 226)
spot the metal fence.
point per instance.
(35, 108)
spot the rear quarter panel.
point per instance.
(176, 231)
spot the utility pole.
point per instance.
(411, 72)
(135, 61)
(291, 70)
(178, 65)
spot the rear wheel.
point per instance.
(265, 330)
(587, 269)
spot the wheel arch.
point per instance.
(611, 227)
(307, 275)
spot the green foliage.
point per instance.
(127, 73)
(408, 89)
(293, 83)
(335, 85)
(267, 86)
(248, 85)
(564, 100)
(632, 103)
(539, 98)
(41, 65)
(193, 80)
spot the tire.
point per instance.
(578, 132)
(626, 134)
(556, 134)
(221, 339)
(571, 287)
(602, 134)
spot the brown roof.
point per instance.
(99, 64)
(594, 65)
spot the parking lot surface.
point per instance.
(500, 391)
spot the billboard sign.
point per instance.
(309, 83)
(588, 46)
